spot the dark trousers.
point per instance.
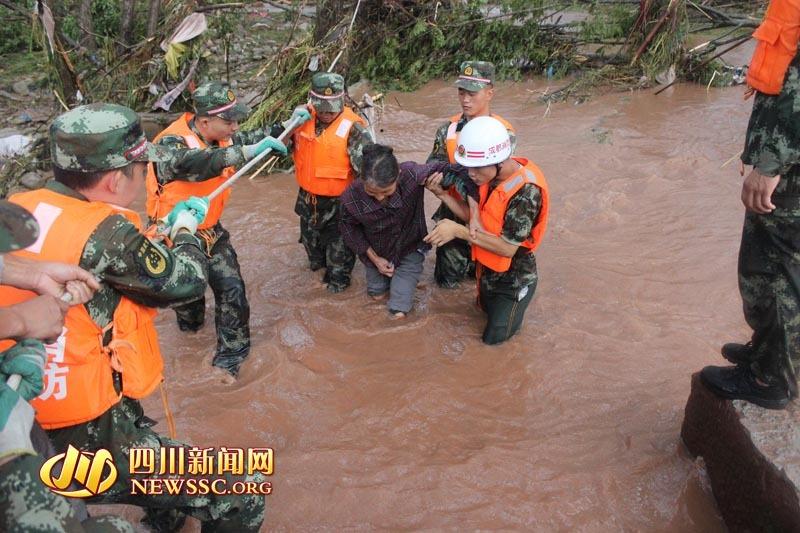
(319, 234)
(769, 282)
(505, 308)
(401, 286)
(232, 311)
(454, 259)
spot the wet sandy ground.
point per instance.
(571, 426)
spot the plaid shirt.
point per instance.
(394, 228)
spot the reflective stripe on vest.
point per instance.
(493, 210)
(78, 378)
(776, 46)
(162, 198)
(322, 164)
(452, 137)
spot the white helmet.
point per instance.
(482, 142)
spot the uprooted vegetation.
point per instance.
(138, 53)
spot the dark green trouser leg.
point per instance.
(232, 312)
(453, 263)
(504, 310)
(769, 282)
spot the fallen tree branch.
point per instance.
(215, 7)
(707, 61)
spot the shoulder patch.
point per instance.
(154, 259)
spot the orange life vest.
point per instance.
(321, 164)
(493, 211)
(78, 378)
(162, 198)
(777, 40)
(452, 136)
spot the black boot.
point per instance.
(738, 354)
(739, 383)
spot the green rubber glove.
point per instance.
(198, 205)
(26, 358)
(301, 114)
(16, 420)
(252, 150)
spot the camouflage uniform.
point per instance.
(232, 312)
(147, 272)
(769, 255)
(26, 505)
(319, 215)
(454, 259)
(505, 295)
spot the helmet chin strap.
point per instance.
(497, 168)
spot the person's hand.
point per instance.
(39, 318)
(384, 266)
(445, 231)
(300, 114)
(196, 205)
(271, 143)
(26, 358)
(53, 279)
(434, 184)
(16, 420)
(184, 221)
(757, 192)
(77, 293)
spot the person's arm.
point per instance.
(447, 230)
(44, 277)
(435, 185)
(521, 214)
(144, 270)
(418, 173)
(40, 318)
(457, 176)
(512, 136)
(253, 136)
(194, 164)
(359, 138)
(772, 142)
(439, 152)
(352, 231)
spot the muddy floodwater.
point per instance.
(574, 424)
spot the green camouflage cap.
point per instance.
(100, 137)
(475, 75)
(18, 228)
(214, 99)
(327, 92)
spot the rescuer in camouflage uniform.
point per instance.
(319, 215)
(769, 256)
(26, 505)
(475, 91)
(232, 313)
(87, 143)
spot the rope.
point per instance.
(170, 420)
